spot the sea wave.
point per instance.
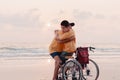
(21, 50)
(36, 51)
(108, 49)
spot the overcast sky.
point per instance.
(97, 21)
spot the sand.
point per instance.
(41, 68)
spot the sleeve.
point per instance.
(67, 35)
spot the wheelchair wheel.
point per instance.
(91, 71)
(59, 76)
(72, 70)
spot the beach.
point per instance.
(41, 68)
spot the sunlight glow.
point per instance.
(48, 60)
(48, 24)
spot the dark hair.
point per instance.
(72, 24)
(65, 23)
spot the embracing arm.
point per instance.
(66, 35)
(66, 40)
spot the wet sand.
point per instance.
(41, 68)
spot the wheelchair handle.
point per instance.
(91, 49)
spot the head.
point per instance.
(65, 26)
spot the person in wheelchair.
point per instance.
(62, 45)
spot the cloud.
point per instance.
(55, 21)
(27, 26)
(93, 27)
(88, 15)
(115, 17)
(100, 16)
(61, 12)
(82, 15)
(30, 26)
(85, 15)
(32, 18)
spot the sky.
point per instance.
(34, 21)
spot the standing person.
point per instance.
(62, 43)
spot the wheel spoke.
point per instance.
(72, 71)
(91, 71)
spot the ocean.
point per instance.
(35, 50)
